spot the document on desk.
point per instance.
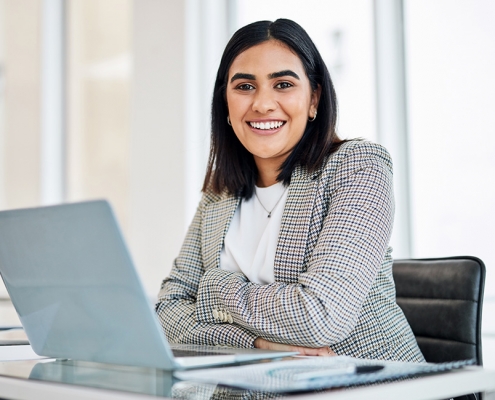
(314, 373)
(18, 353)
(14, 345)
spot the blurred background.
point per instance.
(110, 99)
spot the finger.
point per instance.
(329, 352)
(326, 352)
(308, 351)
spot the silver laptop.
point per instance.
(72, 282)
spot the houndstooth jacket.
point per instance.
(333, 268)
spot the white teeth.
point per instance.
(266, 125)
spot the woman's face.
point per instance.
(270, 99)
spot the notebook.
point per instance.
(78, 296)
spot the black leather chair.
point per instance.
(442, 299)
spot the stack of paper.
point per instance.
(312, 374)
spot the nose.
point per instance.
(264, 101)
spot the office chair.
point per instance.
(442, 300)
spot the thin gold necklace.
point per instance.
(264, 208)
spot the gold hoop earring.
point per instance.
(228, 120)
(314, 117)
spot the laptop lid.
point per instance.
(72, 281)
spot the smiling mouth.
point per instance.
(265, 126)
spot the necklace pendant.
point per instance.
(264, 208)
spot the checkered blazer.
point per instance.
(333, 268)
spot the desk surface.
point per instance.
(19, 380)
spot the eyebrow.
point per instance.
(287, 72)
(241, 75)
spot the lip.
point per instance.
(266, 132)
(267, 120)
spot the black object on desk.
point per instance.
(13, 342)
(366, 369)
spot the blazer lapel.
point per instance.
(216, 223)
(294, 229)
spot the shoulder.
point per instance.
(360, 151)
(352, 157)
(355, 155)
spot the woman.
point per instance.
(289, 246)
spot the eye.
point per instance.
(245, 87)
(283, 85)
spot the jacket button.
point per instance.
(215, 314)
(230, 320)
(220, 315)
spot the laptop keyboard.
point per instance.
(194, 353)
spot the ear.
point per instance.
(315, 99)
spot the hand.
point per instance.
(261, 343)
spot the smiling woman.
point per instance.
(315, 276)
(270, 105)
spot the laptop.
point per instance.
(73, 284)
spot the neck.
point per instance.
(265, 181)
(267, 173)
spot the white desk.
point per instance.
(454, 383)
(442, 386)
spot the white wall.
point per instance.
(157, 149)
(451, 59)
(177, 49)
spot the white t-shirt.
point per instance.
(251, 240)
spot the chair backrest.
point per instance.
(442, 300)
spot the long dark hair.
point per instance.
(231, 168)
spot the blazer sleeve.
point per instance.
(176, 307)
(323, 307)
